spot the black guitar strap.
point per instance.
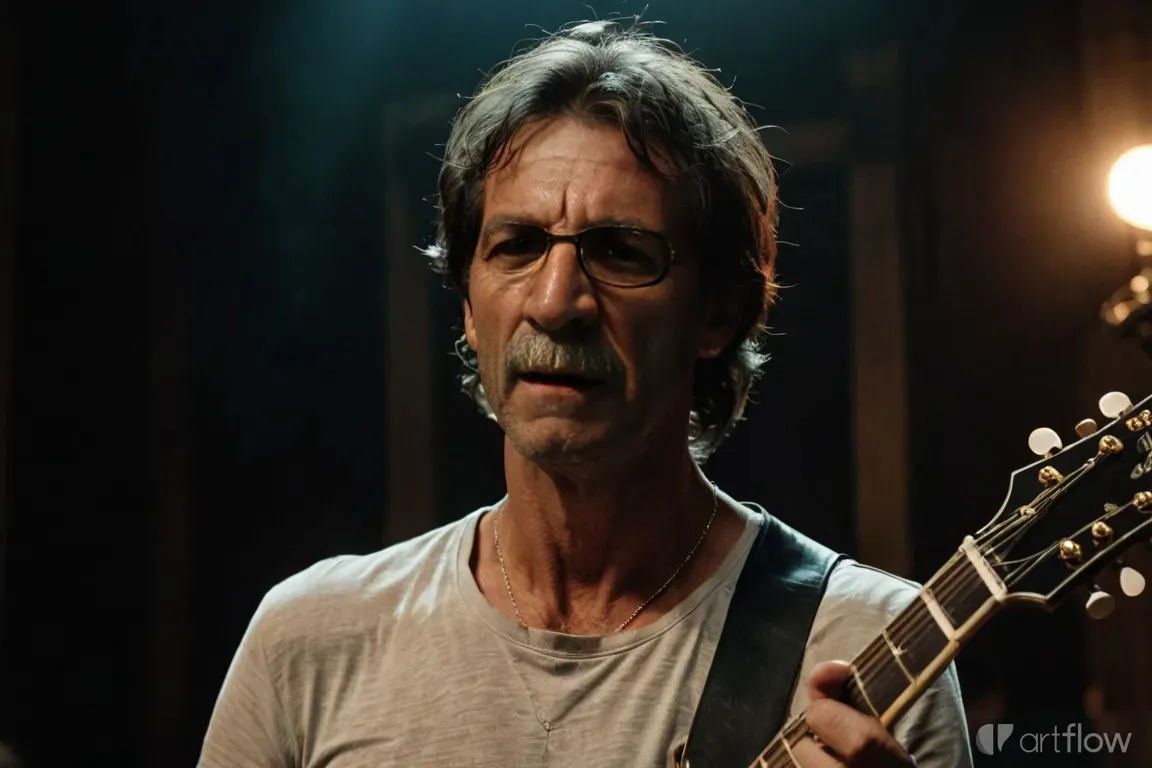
(758, 657)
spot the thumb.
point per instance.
(827, 679)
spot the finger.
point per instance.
(854, 736)
(809, 754)
(827, 680)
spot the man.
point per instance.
(607, 215)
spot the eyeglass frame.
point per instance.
(552, 239)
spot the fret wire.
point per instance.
(877, 651)
(946, 586)
(943, 583)
(912, 629)
(911, 615)
(952, 581)
(919, 624)
(875, 673)
(779, 759)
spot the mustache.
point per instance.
(588, 358)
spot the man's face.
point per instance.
(576, 370)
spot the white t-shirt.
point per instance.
(396, 659)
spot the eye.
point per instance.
(517, 248)
(621, 253)
(624, 252)
(523, 245)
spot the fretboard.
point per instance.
(912, 651)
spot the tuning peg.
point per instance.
(1132, 582)
(1044, 441)
(1114, 403)
(1099, 604)
(1085, 428)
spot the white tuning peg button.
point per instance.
(1100, 604)
(1114, 403)
(1085, 428)
(1132, 581)
(1043, 441)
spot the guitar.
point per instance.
(1067, 517)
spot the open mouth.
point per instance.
(561, 380)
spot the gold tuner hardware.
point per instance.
(1070, 552)
(1142, 500)
(1101, 531)
(1085, 428)
(1146, 417)
(1050, 475)
(1135, 424)
(1109, 444)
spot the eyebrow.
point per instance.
(511, 223)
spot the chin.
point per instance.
(563, 444)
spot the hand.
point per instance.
(855, 739)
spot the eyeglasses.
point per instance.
(619, 256)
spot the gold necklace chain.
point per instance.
(643, 605)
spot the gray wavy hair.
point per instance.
(668, 106)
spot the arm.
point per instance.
(249, 726)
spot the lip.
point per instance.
(557, 384)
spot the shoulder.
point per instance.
(338, 598)
(864, 595)
(858, 603)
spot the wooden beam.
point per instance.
(411, 507)
(880, 375)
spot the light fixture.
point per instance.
(1130, 187)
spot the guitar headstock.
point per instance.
(1077, 510)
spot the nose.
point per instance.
(560, 293)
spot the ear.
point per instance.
(469, 325)
(723, 312)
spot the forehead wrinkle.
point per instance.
(580, 190)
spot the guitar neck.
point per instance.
(913, 650)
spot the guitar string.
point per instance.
(875, 682)
(949, 587)
(950, 584)
(880, 662)
(954, 582)
(945, 589)
(957, 582)
(912, 623)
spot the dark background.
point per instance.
(198, 210)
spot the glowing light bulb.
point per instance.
(1130, 186)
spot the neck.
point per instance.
(584, 550)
